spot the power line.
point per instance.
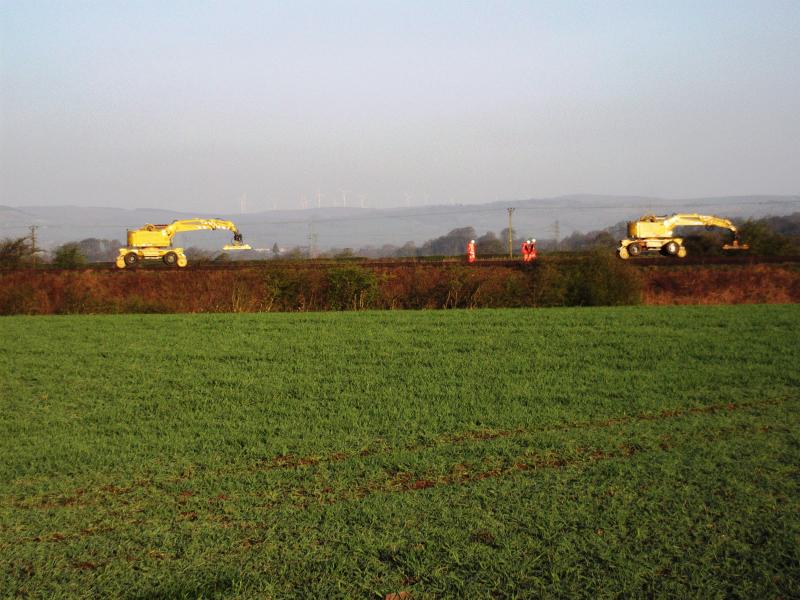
(454, 211)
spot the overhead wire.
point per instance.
(386, 214)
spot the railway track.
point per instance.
(494, 262)
(513, 263)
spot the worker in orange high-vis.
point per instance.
(532, 250)
(471, 251)
(524, 248)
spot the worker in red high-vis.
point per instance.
(532, 250)
(524, 248)
(471, 251)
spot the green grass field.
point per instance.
(514, 453)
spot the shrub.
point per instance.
(549, 286)
(287, 289)
(15, 252)
(504, 289)
(351, 288)
(19, 299)
(603, 280)
(763, 240)
(69, 256)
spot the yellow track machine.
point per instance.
(655, 234)
(154, 242)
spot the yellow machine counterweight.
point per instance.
(154, 242)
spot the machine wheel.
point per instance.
(131, 258)
(623, 253)
(671, 248)
(170, 259)
(682, 252)
(634, 250)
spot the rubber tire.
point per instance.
(131, 259)
(170, 259)
(671, 248)
(634, 250)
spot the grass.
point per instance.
(567, 452)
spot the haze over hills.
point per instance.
(338, 227)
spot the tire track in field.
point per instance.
(319, 493)
(524, 465)
(292, 461)
(82, 498)
(463, 474)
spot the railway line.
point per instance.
(501, 262)
(491, 262)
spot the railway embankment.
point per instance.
(276, 286)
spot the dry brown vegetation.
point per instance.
(597, 282)
(752, 284)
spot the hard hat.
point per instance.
(533, 241)
(527, 241)
(472, 241)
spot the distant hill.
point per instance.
(357, 227)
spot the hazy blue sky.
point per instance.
(190, 105)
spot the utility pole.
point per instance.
(33, 229)
(312, 239)
(557, 231)
(510, 234)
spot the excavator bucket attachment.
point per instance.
(736, 245)
(238, 243)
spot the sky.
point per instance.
(204, 106)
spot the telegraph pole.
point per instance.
(312, 239)
(510, 234)
(33, 229)
(557, 232)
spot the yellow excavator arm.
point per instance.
(161, 235)
(155, 241)
(653, 226)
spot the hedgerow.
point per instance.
(596, 280)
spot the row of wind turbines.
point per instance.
(339, 200)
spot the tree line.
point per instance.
(766, 236)
(770, 236)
